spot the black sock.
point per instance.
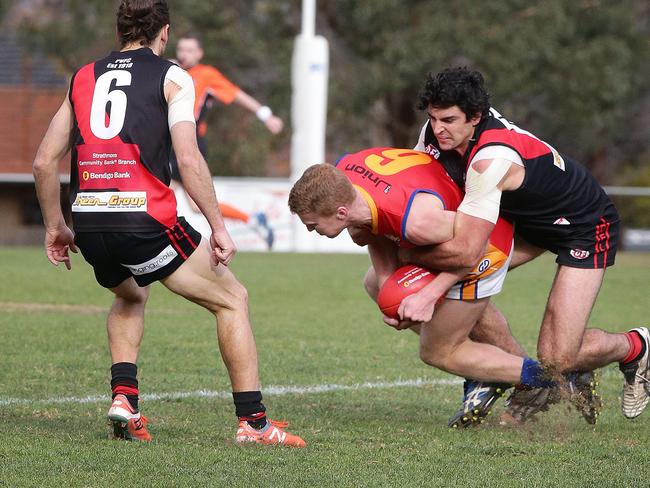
(249, 407)
(124, 381)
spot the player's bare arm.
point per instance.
(273, 123)
(383, 255)
(486, 180)
(192, 166)
(429, 224)
(471, 235)
(419, 306)
(198, 183)
(59, 239)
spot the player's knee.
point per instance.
(427, 358)
(370, 284)
(432, 357)
(241, 295)
(237, 298)
(477, 334)
(134, 296)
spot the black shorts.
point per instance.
(145, 256)
(587, 245)
(173, 162)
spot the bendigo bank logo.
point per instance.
(413, 276)
(85, 175)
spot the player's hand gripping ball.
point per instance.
(405, 281)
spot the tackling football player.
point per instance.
(555, 204)
(398, 197)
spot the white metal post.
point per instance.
(308, 18)
(309, 77)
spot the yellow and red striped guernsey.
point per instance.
(390, 178)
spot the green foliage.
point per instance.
(571, 72)
(3, 9)
(635, 211)
(71, 31)
(251, 44)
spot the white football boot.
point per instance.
(637, 380)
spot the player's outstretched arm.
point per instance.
(273, 123)
(463, 251)
(59, 239)
(477, 214)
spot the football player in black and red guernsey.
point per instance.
(391, 198)
(555, 204)
(122, 115)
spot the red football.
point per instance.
(403, 282)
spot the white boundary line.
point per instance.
(271, 390)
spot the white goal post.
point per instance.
(309, 78)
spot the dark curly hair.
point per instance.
(141, 20)
(456, 86)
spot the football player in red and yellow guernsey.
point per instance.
(389, 198)
(392, 181)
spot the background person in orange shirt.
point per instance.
(210, 85)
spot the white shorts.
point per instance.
(486, 279)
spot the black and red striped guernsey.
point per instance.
(119, 175)
(556, 189)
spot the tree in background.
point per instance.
(573, 72)
(250, 42)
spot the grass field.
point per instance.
(314, 327)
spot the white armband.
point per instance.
(482, 194)
(503, 152)
(181, 107)
(264, 113)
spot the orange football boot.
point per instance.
(272, 434)
(127, 423)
